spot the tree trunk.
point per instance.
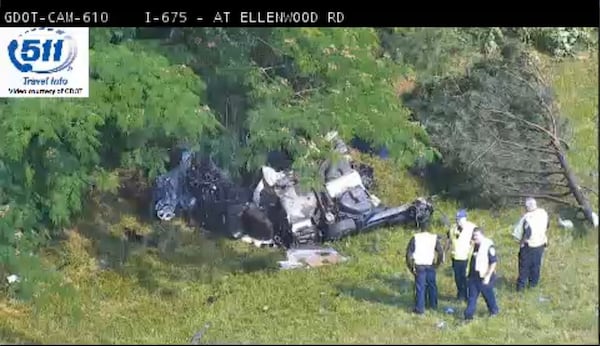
(573, 185)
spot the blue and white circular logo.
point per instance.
(42, 50)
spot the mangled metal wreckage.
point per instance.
(276, 211)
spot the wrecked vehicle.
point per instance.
(277, 211)
(342, 208)
(200, 190)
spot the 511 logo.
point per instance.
(44, 62)
(41, 51)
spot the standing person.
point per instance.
(531, 233)
(423, 255)
(482, 274)
(459, 239)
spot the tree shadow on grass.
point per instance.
(10, 337)
(196, 258)
(169, 252)
(396, 291)
(393, 291)
(507, 284)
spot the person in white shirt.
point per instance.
(531, 233)
(482, 274)
(423, 255)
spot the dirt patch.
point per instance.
(404, 86)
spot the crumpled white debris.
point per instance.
(256, 242)
(313, 257)
(13, 279)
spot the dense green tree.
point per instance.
(285, 88)
(240, 92)
(54, 150)
(500, 130)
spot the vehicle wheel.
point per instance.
(340, 229)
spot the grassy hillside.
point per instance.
(166, 294)
(576, 83)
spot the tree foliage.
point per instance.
(55, 149)
(241, 92)
(499, 130)
(285, 88)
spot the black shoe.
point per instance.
(417, 312)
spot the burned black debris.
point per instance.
(275, 210)
(202, 190)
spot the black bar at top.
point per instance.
(451, 14)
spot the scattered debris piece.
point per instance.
(311, 257)
(103, 264)
(441, 325)
(568, 224)
(256, 242)
(13, 279)
(199, 334)
(543, 299)
(449, 310)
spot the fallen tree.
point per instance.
(499, 129)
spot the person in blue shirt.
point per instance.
(482, 274)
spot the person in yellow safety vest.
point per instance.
(531, 234)
(482, 274)
(424, 254)
(459, 238)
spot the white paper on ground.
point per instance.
(314, 257)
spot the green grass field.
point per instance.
(166, 294)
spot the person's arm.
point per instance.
(439, 251)
(257, 191)
(448, 242)
(526, 233)
(493, 260)
(547, 228)
(410, 250)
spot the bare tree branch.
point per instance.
(299, 93)
(533, 182)
(542, 196)
(590, 190)
(543, 173)
(482, 153)
(527, 147)
(512, 116)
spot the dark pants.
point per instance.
(460, 278)
(425, 288)
(476, 286)
(530, 263)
